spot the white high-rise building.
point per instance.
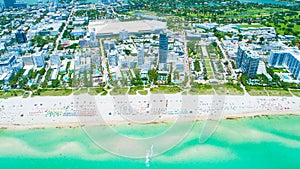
(141, 56)
(93, 35)
(39, 60)
(113, 58)
(288, 58)
(55, 60)
(247, 60)
(6, 63)
(27, 60)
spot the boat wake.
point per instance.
(149, 155)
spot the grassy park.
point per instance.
(296, 92)
(228, 89)
(165, 90)
(212, 52)
(256, 91)
(95, 91)
(12, 93)
(277, 92)
(119, 91)
(134, 89)
(26, 94)
(80, 91)
(209, 69)
(199, 89)
(53, 92)
(143, 92)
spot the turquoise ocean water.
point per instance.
(261, 142)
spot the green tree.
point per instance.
(42, 71)
(55, 83)
(153, 75)
(169, 78)
(214, 44)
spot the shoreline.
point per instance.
(201, 119)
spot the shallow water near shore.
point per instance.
(260, 142)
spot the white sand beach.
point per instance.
(74, 111)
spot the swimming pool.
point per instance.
(286, 77)
(66, 78)
(96, 72)
(143, 75)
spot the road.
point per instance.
(104, 60)
(186, 60)
(62, 32)
(226, 57)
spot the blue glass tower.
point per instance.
(163, 48)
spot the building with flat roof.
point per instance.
(141, 55)
(207, 26)
(247, 60)
(38, 59)
(21, 36)
(51, 29)
(78, 32)
(288, 58)
(54, 74)
(55, 60)
(110, 44)
(113, 58)
(113, 28)
(79, 21)
(27, 60)
(6, 63)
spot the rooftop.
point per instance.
(293, 51)
(101, 27)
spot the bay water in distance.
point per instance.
(246, 1)
(259, 142)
